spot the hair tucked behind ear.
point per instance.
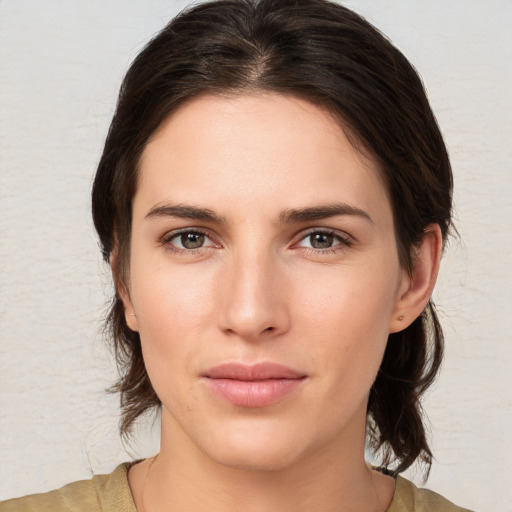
(137, 393)
(326, 54)
(407, 370)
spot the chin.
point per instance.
(264, 449)
(256, 459)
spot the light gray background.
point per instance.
(61, 63)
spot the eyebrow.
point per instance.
(289, 216)
(185, 212)
(322, 212)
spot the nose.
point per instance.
(252, 302)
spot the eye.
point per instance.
(323, 240)
(187, 240)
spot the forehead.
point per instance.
(270, 148)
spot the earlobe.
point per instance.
(131, 321)
(417, 288)
(129, 312)
(123, 293)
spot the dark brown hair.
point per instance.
(332, 57)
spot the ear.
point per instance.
(123, 292)
(416, 288)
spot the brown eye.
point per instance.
(187, 240)
(191, 240)
(324, 240)
(321, 240)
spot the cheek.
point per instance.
(348, 319)
(170, 330)
(173, 310)
(165, 295)
(348, 297)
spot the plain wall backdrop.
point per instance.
(61, 64)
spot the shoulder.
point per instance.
(408, 498)
(102, 493)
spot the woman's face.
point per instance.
(264, 280)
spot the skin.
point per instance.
(261, 289)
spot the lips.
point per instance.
(258, 385)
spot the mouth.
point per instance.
(253, 386)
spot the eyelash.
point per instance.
(343, 241)
(166, 240)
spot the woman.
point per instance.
(273, 199)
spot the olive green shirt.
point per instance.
(111, 493)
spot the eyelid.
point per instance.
(166, 239)
(345, 240)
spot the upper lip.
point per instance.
(259, 371)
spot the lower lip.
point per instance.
(253, 393)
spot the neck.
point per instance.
(333, 478)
